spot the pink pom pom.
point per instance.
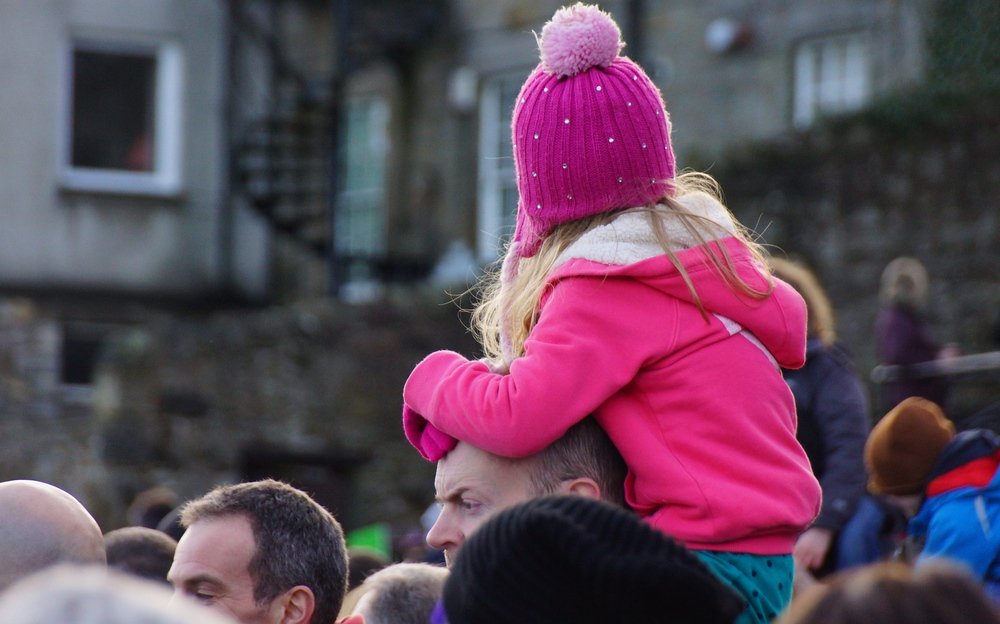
(577, 38)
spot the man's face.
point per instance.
(472, 485)
(211, 565)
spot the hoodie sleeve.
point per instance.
(586, 346)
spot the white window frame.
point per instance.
(165, 178)
(496, 170)
(832, 75)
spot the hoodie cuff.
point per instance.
(430, 442)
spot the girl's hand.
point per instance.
(431, 442)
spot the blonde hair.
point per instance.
(516, 304)
(821, 318)
(904, 282)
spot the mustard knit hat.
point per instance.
(903, 447)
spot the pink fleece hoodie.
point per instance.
(696, 405)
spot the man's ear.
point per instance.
(299, 604)
(582, 486)
(353, 619)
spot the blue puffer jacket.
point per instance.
(960, 516)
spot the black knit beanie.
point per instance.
(577, 560)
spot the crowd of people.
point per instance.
(665, 427)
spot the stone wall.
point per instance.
(309, 392)
(920, 180)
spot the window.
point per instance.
(361, 218)
(497, 185)
(123, 117)
(831, 76)
(80, 349)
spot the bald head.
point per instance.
(43, 525)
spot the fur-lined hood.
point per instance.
(629, 238)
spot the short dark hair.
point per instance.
(585, 450)
(298, 541)
(141, 551)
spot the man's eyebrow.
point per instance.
(202, 579)
(452, 495)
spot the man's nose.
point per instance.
(444, 532)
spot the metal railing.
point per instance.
(944, 367)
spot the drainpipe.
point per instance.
(341, 14)
(635, 15)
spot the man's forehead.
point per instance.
(222, 545)
(469, 468)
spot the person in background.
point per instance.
(890, 591)
(74, 594)
(401, 593)
(948, 484)
(631, 293)
(42, 525)
(361, 563)
(150, 506)
(141, 551)
(833, 423)
(902, 334)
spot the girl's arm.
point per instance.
(591, 339)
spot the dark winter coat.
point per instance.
(833, 425)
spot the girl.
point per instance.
(632, 293)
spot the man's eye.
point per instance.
(470, 506)
(203, 597)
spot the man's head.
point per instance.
(263, 552)
(402, 593)
(472, 484)
(74, 594)
(141, 551)
(42, 525)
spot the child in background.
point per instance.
(948, 484)
(632, 293)
(833, 420)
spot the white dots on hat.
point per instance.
(611, 139)
(599, 87)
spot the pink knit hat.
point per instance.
(590, 131)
